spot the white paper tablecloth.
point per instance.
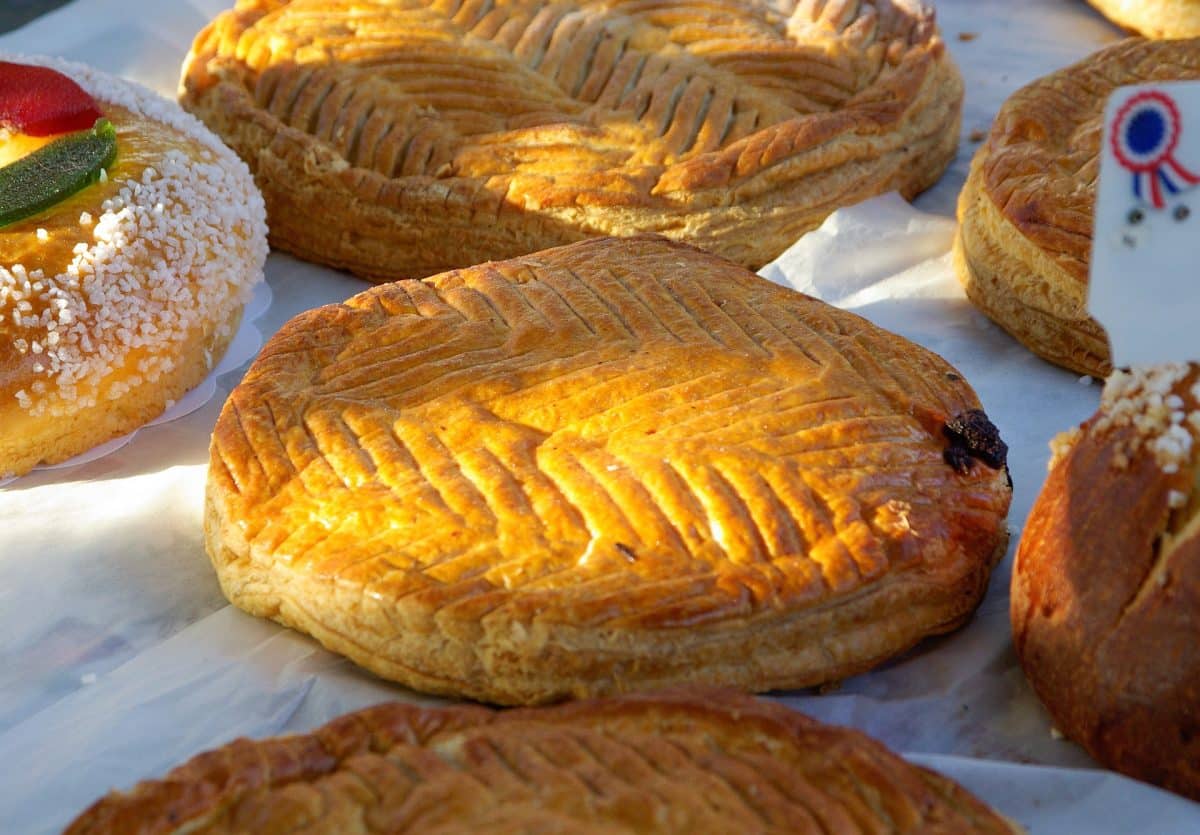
(119, 657)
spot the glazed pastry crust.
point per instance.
(426, 138)
(121, 298)
(1026, 211)
(620, 464)
(1154, 18)
(673, 762)
(1106, 586)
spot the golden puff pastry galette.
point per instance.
(620, 464)
(400, 139)
(1026, 212)
(675, 763)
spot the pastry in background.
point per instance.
(130, 240)
(1025, 214)
(1106, 585)
(1154, 18)
(620, 464)
(401, 140)
(683, 762)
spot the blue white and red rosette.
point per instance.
(1145, 134)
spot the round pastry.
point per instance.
(676, 762)
(1025, 213)
(1106, 586)
(429, 136)
(619, 464)
(1154, 18)
(130, 243)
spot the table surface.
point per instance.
(119, 656)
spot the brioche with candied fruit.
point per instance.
(1106, 585)
(682, 762)
(131, 239)
(428, 136)
(619, 464)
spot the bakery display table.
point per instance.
(120, 657)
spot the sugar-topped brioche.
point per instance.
(430, 135)
(119, 298)
(674, 763)
(614, 465)
(1106, 583)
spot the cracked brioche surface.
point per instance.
(674, 762)
(119, 299)
(613, 465)
(1026, 211)
(428, 136)
(1106, 584)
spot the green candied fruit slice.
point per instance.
(54, 172)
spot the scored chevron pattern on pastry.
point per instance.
(607, 436)
(639, 115)
(679, 762)
(550, 64)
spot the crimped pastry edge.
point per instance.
(564, 663)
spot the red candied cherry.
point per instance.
(39, 101)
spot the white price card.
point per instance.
(1145, 268)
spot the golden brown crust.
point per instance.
(1025, 212)
(614, 465)
(672, 762)
(437, 137)
(1154, 18)
(1106, 585)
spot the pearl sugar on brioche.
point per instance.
(121, 297)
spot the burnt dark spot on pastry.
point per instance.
(627, 552)
(952, 377)
(973, 437)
